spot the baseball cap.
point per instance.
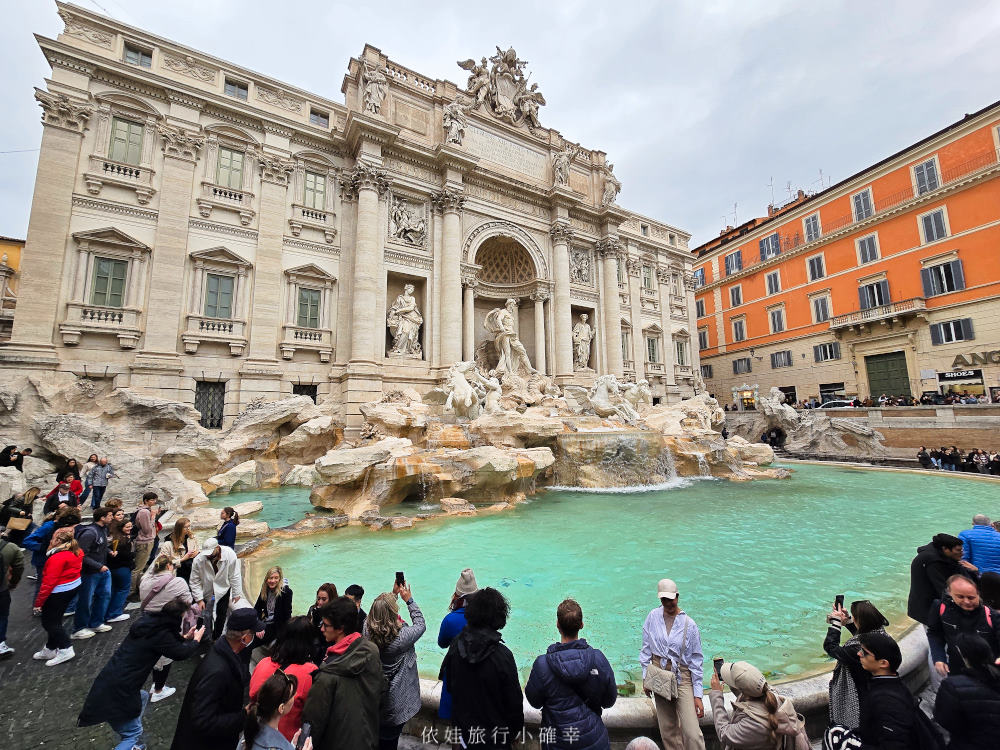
(209, 546)
(666, 589)
(745, 677)
(244, 618)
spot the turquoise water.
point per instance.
(757, 563)
(282, 506)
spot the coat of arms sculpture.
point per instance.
(503, 88)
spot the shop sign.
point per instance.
(960, 375)
(977, 358)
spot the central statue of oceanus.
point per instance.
(512, 356)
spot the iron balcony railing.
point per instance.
(882, 312)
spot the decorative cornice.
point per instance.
(180, 144)
(188, 66)
(112, 207)
(408, 259)
(129, 84)
(313, 247)
(59, 60)
(585, 296)
(276, 129)
(274, 169)
(561, 233)
(209, 226)
(317, 144)
(448, 200)
(366, 177)
(59, 111)
(178, 97)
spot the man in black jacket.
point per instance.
(930, 570)
(95, 578)
(481, 674)
(117, 696)
(212, 714)
(888, 712)
(961, 611)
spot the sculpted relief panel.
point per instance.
(407, 222)
(580, 267)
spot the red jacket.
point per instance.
(60, 567)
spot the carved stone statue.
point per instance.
(560, 165)
(462, 397)
(607, 401)
(611, 186)
(405, 223)
(579, 267)
(513, 358)
(583, 334)
(374, 86)
(638, 394)
(455, 121)
(503, 88)
(404, 321)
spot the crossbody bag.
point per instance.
(660, 681)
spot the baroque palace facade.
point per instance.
(886, 282)
(203, 233)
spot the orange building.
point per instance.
(887, 282)
(10, 263)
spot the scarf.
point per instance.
(845, 703)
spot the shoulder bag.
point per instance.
(663, 682)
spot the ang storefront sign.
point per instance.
(961, 375)
(977, 358)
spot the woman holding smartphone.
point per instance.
(850, 681)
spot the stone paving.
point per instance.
(39, 705)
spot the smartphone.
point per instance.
(303, 735)
(718, 662)
(838, 602)
(400, 580)
(200, 622)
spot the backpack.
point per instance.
(134, 518)
(928, 736)
(986, 608)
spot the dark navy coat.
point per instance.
(572, 683)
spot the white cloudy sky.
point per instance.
(700, 104)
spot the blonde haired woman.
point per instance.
(761, 719)
(181, 546)
(395, 640)
(274, 605)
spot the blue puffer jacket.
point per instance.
(572, 683)
(38, 542)
(981, 547)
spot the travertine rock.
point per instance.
(207, 518)
(311, 440)
(174, 489)
(759, 453)
(301, 476)
(351, 464)
(11, 482)
(39, 473)
(453, 505)
(535, 427)
(241, 477)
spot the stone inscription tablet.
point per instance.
(499, 150)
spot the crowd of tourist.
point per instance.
(340, 677)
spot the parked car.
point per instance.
(839, 404)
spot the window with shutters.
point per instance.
(218, 296)
(811, 226)
(699, 278)
(682, 351)
(776, 318)
(735, 296)
(739, 329)
(951, 331)
(769, 246)
(652, 349)
(108, 288)
(817, 267)
(734, 262)
(706, 371)
(826, 352)
(316, 117)
(875, 294)
(236, 89)
(741, 366)
(781, 359)
(934, 226)
(943, 278)
(867, 248)
(309, 306)
(773, 282)
(126, 141)
(699, 308)
(702, 338)
(821, 309)
(229, 172)
(862, 204)
(138, 56)
(925, 176)
(315, 191)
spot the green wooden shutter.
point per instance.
(109, 282)
(309, 300)
(126, 141)
(230, 170)
(219, 296)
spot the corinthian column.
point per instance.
(563, 365)
(450, 202)
(41, 271)
(368, 183)
(608, 249)
(539, 297)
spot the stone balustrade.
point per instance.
(201, 329)
(81, 318)
(319, 340)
